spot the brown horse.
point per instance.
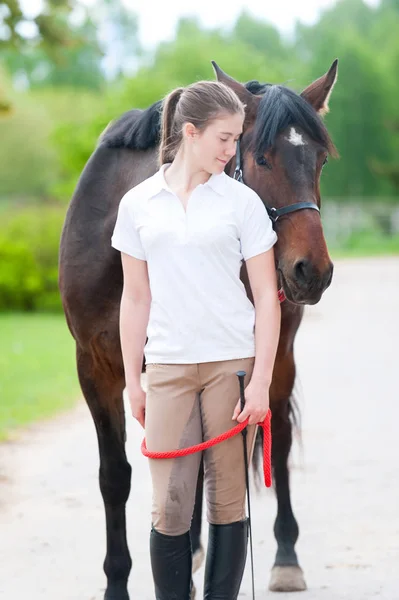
(281, 154)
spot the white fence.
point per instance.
(344, 217)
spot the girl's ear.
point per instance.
(189, 131)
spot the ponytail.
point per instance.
(170, 135)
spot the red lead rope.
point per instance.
(267, 438)
(267, 446)
(281, 295)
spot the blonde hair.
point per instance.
(199, 104)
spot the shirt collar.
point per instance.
(216, 182)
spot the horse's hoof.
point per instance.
(198, 559)
(287, 579)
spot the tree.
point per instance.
(47, 26)
(77, 64)
(46, 30)
(264, 38)
(100, 44)
(389, 170)
(362, 98)
(188, 57)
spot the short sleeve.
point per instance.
(257, 233)
(125, 236)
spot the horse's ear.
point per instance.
(244, 95)
(318, 93)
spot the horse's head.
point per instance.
(282, 152)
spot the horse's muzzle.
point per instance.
(303, 283)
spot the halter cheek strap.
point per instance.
(274, 213)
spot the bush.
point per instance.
(370, 243)
(29, 243)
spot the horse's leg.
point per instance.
(286, 574)
(195, 530)
(103, 388)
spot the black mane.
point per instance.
(278, 108)
(135, 129)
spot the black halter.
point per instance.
(274, 213)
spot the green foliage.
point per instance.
(38, 369)
(360, 93)
(364, 98)
(74, 144)
(266, 40)
(93, 42)
(75, 64)
(188, 57)
(30, 159)
(28, 164)
(49, 24)
(74, 147)
(29, 241)
(368, 243)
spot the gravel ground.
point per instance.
(345, 484)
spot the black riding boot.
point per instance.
(225, 560)
(171, 565)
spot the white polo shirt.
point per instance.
(199, 310)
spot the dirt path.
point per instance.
(345, 478)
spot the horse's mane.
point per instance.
(135, 129)
(278, 108)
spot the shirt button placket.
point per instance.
(186, 226)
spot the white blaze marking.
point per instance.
(296, 138)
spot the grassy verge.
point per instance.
(367, 244)
(37, 365)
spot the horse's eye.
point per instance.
(325, 161)
(261, 161)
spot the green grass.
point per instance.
(367, 244)
(37, 369)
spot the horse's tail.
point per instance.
(293, 413)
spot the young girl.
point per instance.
(183, 234)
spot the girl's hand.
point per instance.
(256, 403)
(137, 398)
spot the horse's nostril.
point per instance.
(306, 275)
(303, 271)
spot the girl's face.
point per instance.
(214, 146)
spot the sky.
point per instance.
(158, 18)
